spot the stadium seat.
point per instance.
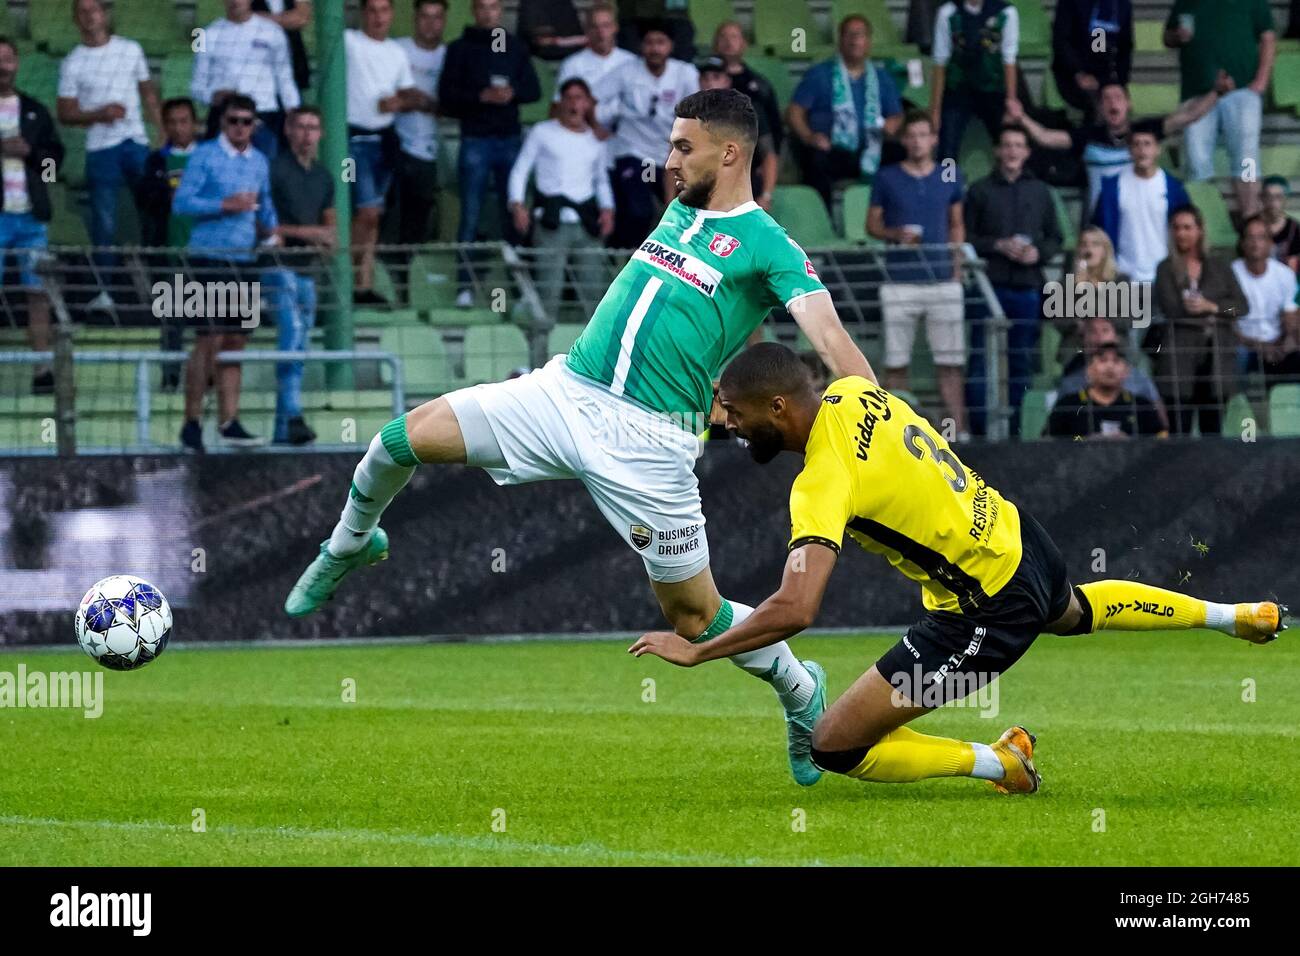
(1068, 224)
(38, 76)
(1284, 411)
(151, 23)
(976, 155)
(425, 369)
(1148, 36)
(51, 27)
(561, 338)
(804, 216)
(492, 352)
(536, 112)
(775, 72)
(1035, 30)
(854, 204)
(1218, 221)
(706, 15)
(774, 31)
(1033, 414)
(1279, 160)
(1153, 99)
(1286, 80)
(1236, 414)
(174, 77)
(1049, 345)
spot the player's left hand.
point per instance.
(673, 648)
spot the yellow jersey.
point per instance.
(876, 469)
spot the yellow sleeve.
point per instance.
(821, 503)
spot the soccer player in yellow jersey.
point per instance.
(991, 578)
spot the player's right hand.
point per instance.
(673, 648)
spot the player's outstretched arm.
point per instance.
(816, 315)
(786, 613)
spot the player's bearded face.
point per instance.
(764, 440)
(697, 188)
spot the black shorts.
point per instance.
(945, 656)
(232, 296)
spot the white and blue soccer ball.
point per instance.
(123, 622)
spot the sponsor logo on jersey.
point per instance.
(832, 399)
(640, 536)
(808, 268)
(723, 245)
(699, 276)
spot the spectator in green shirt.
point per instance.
(1235, 39)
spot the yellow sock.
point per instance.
(1130, 606)
(903, 756)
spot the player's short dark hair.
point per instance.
(651, 25)
(1281, 181)
(419, 3)
(179, 103)
(912, 117)
(1246, 223)
(722, 110)
(576, 81)
(766, 369)
(308, 110)
(1106, 348)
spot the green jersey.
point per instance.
(686, 302)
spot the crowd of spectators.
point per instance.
(233, 167)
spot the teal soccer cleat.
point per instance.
(799, 730)
(318, 583)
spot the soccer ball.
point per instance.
(123, 622)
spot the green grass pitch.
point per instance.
(553, 753)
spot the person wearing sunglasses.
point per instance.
(227, 192)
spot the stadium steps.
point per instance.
(1284, 411)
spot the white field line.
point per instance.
(578, 853)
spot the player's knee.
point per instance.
(688, 624)
(837, 761)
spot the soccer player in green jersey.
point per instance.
(621, 411)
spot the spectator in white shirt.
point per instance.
(412, 212)
(293, 16)
(243, 53)
(573, 206)
(380, 85)
(641, 106)
(1134, 208)
(599, 63)
(104, 86)
(1269, 335)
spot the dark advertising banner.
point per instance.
(224, 537)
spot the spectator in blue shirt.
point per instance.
(918, 203)
(842, 111)
(226, 190)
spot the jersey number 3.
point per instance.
(957, 480)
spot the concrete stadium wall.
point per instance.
(225, 536)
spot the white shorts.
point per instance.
(903, 303)
(638, 465)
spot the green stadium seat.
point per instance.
(425, 369)
(67, 225)
(174, 77)
(1219, 231)
(804, 216)
(976, 155)
(1033, 414)
(1279, 160)
(1035, 29)
(854, 204)
(775, 26)
(363, 318)
(38, 76)
(1284, 411)
(1148, 36)
(51, 27)
(561, 338)
(1153, 99)
(493, 352)
(706, 15)
(432, 280)
(546, 73)
(1236, 414)
(1068, 224)
(775, 72)
(1286, 80)
(151, 23)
